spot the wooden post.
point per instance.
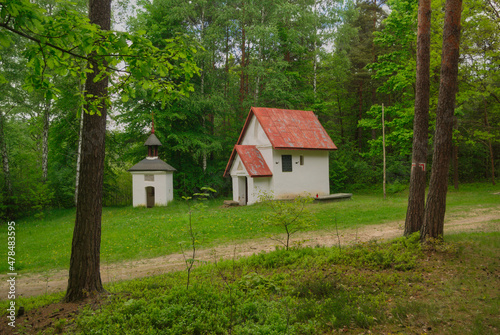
(383, 145)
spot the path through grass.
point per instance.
(135, 233)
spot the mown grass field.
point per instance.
(135, 233)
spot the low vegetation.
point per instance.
(397, 287)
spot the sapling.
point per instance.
(192, 235)
(291, 215)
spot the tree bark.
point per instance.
(360, 115)
(84, 272)
(455, 157)
(436, 199)
(416, 197)
(243, 63)
(5, 159)
(340, 117)
(45, 141)
(78, 156)
(490, 147)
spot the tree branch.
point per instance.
(38, 41)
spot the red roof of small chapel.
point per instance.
(285, 129)
(253, 161)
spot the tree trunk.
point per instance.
(45, 141)
(79, 156)
(374, 53)
(341, 117)
(360, 115)
(455, 157)
(315, 53)
(416, 197)
(490, 147)
(5, 159)
(243, 63)
(261, 59)
(383, 150)
(436, 199)
(7, 191)
(84, 272)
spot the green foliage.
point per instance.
(41, 197)
(400, 255)
(258, 303)
(65, 39)
(350, 171)
(295, 297)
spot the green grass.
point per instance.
(397, 287)
(134, 233)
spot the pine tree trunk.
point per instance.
(416, 197)
(84, 272)
(433, 226)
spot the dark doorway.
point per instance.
(150, 196)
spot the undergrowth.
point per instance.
(299, 291)
(396, 287)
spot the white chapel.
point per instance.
(284, 152)
(152, 178)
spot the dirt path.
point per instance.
(56, 281)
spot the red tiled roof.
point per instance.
(291, 129)
(253, 161)
(286, 129)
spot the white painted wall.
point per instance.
(312, 177)
(163, 184)
(260, 186)
(255, 135)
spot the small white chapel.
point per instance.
(152, 178)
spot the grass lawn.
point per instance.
(135, 233)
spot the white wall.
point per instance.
(255, 135)
(163, 184)
(260, 186)
(312, 177)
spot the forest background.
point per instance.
(343, 60)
